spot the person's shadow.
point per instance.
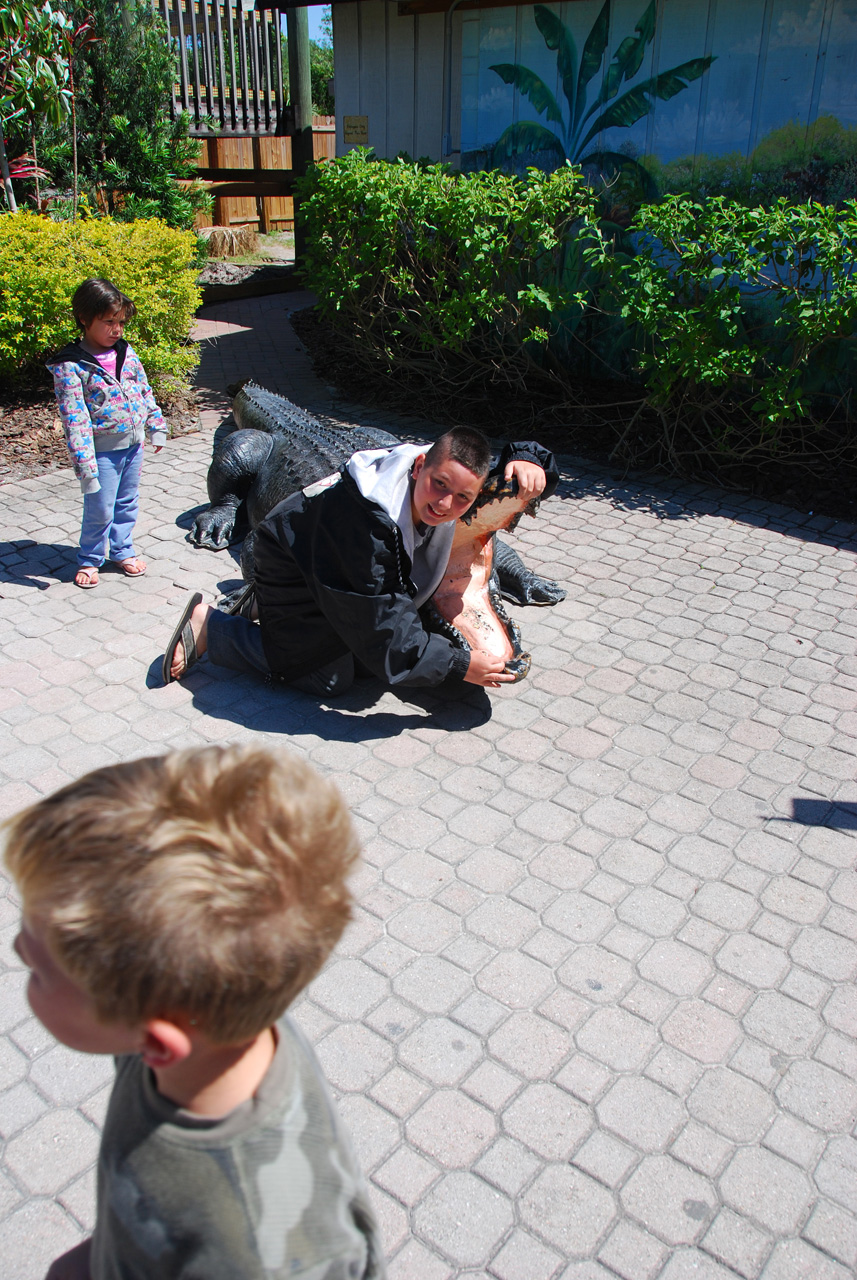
(27, 563)
(249, 701)
(839, 815)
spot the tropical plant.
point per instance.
(133, 159)
(33, 73)
(586, 121)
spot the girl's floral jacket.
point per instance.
(100, 413)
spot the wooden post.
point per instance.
(300, 96)
(261, 203)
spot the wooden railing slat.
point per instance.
(230, 67)
(197, 94)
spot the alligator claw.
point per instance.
(519, 584)
(534, 590)
(213, 529)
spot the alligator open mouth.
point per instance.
(467, 606)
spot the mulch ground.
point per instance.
(31, 434)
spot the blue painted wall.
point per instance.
(775, 62)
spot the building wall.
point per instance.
(390, 69)
(774, 62)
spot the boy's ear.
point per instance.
(165, 1044)
(418, 464)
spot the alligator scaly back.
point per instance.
(276, 449)
(308, 449)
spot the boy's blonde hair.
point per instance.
(208, 883)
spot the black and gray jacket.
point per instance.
(333, 576)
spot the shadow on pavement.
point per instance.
(24, 562)
(679, 499)
(251, 703)
(839, 815)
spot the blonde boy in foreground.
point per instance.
(174, 907)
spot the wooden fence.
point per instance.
(232, 85)
(230, 64)
(234, 169)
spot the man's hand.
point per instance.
(487, 670)
(530, 477)
(73, 1265)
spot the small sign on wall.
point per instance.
(355, 131)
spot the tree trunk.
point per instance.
(73, 141)
(36, 170)
(7, 181)
(300, 98)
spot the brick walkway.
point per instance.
(595, 1016)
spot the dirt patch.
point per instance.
(225, 272)
(274, 259)
(31, 434)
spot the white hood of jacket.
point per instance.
(384, 476)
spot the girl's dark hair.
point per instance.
(95, 298)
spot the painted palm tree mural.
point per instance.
(583, 121)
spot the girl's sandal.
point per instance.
(86, 578)
(133, 568)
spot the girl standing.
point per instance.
(106, 406)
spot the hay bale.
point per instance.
(229, 242)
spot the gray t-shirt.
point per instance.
(270, 1190)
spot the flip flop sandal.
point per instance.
(183, 635)
(90, 582)
(136, 572)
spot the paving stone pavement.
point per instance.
(595, 1015)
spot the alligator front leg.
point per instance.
(235, 465)
(518, 583)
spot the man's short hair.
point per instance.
(208, 883)
(96, 298)
(464, 445)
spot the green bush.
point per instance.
(745, 322)
(463, 277)
(42, 262)
(755, 301)
(736, 323)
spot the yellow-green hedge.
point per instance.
(42, 263)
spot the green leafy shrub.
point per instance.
(733, 325)
(466, 279)
(141, 175)
(746, 321)
(42, 262)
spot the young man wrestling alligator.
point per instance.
(342, 568)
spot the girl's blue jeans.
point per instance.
(110, 514)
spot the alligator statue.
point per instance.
(279, 448)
